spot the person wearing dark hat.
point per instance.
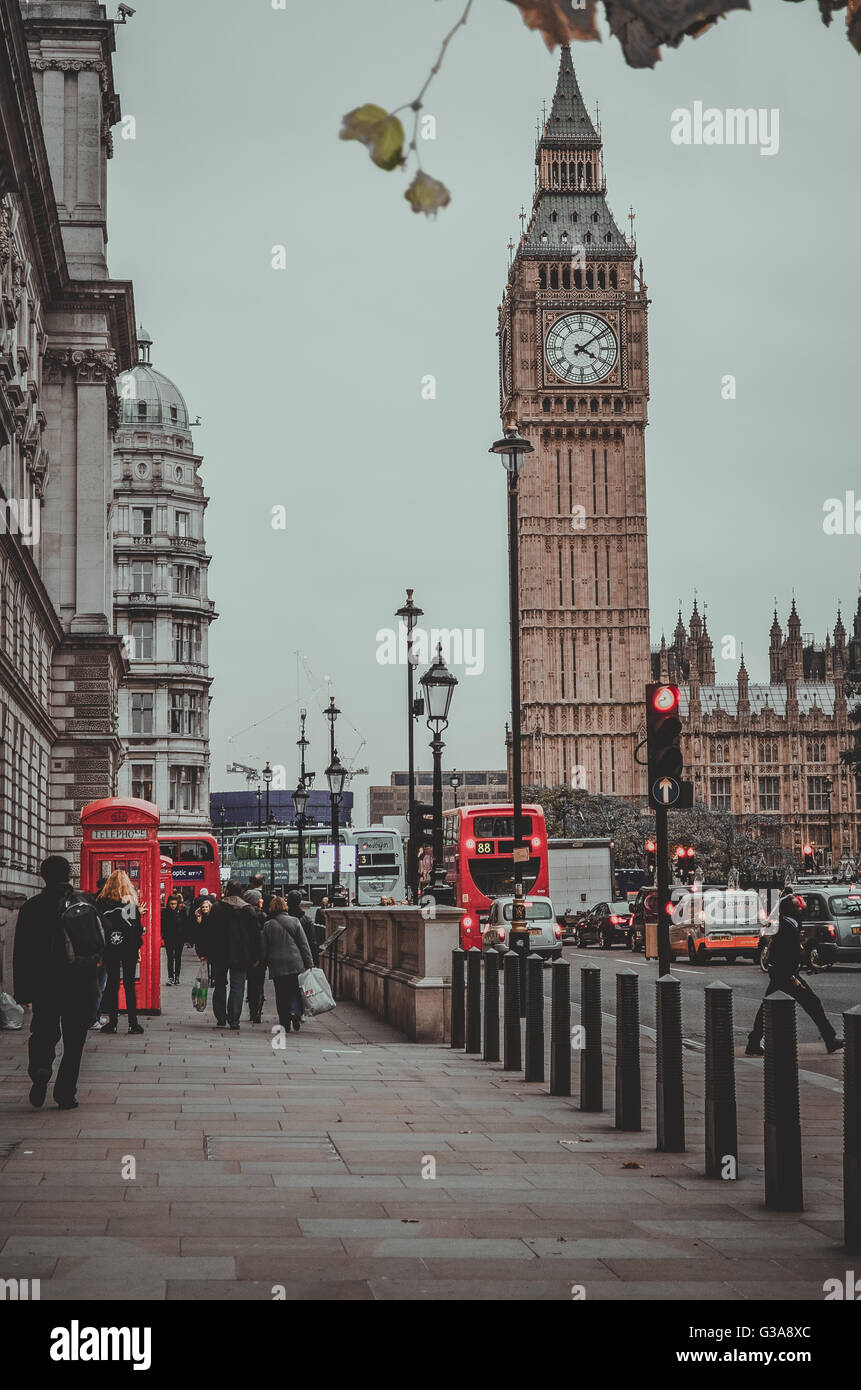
(784, 962)
(64, 995)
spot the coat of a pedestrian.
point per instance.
(286, 952)
(784, 962)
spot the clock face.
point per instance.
(581, 348)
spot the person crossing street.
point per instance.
(784, 963)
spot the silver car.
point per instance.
(545, 933)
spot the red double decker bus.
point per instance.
(478, 853)
(195, 861)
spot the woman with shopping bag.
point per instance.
(286, 951)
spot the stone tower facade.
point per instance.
(574, 378)
(161, 600)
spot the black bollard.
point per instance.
(490, 1050)
(473, 1000)
(852, 1129)
(784, 1188)
(591, 1059)
(670, 1091)
(628, 1097)
(720, 1108)
(511, 1041)
(560, 1028)
(458, 1026)
(534, 1019)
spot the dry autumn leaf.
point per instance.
(427, 195)
(560, 21)
(642, 26)
(381, 133)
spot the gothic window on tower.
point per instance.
(587, 237)
(545, 406)
(542, 277)
(815, 751)
(597, 654)
(614, 280)
(720, 753)
(609, 651)
(573, 599)
(594, 217)
(554, 277)
(721, 794)
(768, 752)
(817, 797)
(769, 793)
(595, 558)
(566, 274)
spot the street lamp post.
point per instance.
(438, 684)
(221, 815)
(512, 448)
(409, 616)
(336, 776)
(454, 783)
(259, 795)
(271, 827)
(267, 778)
(829, 787)
(332, 714)
(300, 801)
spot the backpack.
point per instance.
(83, 934)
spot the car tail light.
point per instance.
(617, 920)
(831, 928)
(500, 933)
(557, 930)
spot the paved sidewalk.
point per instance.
(305, 1167)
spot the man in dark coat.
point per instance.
(234, 947)
(784, 962)
(64, 997)
(256, 973)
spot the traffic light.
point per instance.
(690, 862)
(809, 859)
(651, 853)
(423, 823)
(663, 739)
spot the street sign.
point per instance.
(669, 793)
(666, 791)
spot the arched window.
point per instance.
(569, 404)
(608, 237)
(564, 175)
(554, 217)
(566, 277)
(589, 175)
(563, 237)
(580, 173)
(613, 278)
(545, 406)
(594, 217)
(544, 238)
(542, 285)
(617, 406)
(593, 405)
(578, 279)
(602, 285)
(555, 174)
(554, 282)
(574, 218)
(590, 278)
(588, 240)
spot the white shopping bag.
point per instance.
(316, 992)
(11, 1014)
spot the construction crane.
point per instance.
(251, 773)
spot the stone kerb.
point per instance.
(396, 962)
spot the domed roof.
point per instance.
(149, 398)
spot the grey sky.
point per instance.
(308, 381)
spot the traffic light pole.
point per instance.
(662, 853)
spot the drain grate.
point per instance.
(290, 1148)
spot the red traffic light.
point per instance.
(650, 846)
(666, 699)
(691, 853)
(808, 849)
(679, 852)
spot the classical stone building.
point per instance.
(574, 378)
(65, 329)
(770, 753)
(161, 601)
(479, 788)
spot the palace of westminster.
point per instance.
(104, 618)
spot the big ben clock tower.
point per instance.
(574, 379)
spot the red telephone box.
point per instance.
(122, 833)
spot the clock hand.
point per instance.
(579, 348)
(594, 336)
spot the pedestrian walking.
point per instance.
(59, 946)
(313, 933)
(174, 929)
(199, 933)
(234, 947)
(256, 973)
(96, 1020)
(286, 952)
(119, 908)
(784, 962)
